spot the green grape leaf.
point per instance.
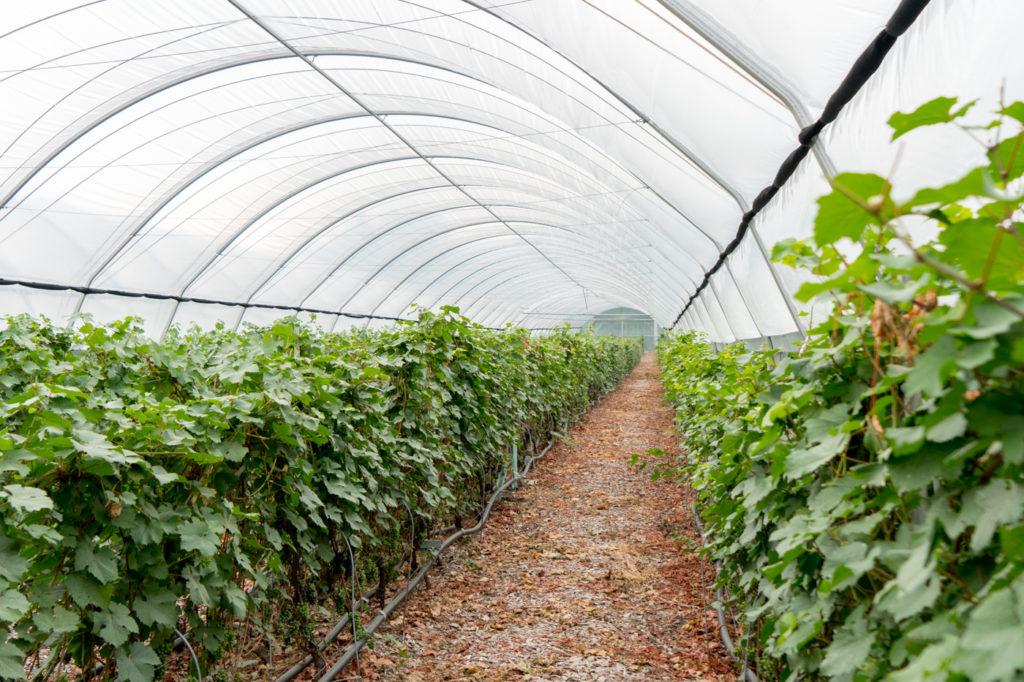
(969, 245)
(850, 646)
(938, 110)
(933, 368)
(11, 658)
(115, 624)
(198, 536)
(1015, 110)
(58, 620)
(973, 184)
(13, 606)
(86, 590)
(990, 646)
(137, 663)
(804, 460)
(159, 608)
(990, 506)
(841, 216)
(27, 499)
(99, 561)
(12, 565)
(1011, 542)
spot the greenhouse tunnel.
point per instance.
(295, 295)
(234, 161)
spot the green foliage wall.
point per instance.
(865, 494)
(146, 485)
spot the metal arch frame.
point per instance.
(251, 60)
(708, 318)
(238, 233)
(713, 32)
(306, 187)
(661, 304)
(499, 311)
(415, 245)
(464, 294)
(609, 162)
(703, 318)
(447, 251)
(461, 263)
(286, 198)
(215, 163)
(583, 71)
(501, 305)
(713, 293)
(185, 78)
(309, 62)
(721, 311)
(335, 268)
(298, 249)
(672, 142)
(150, 140)
(467, 309)
(319, 232)
(90, 80)
(209, 168)
(694, 159)
(438, 298)
(503, 166)
(323, 230)
(719, 37)
(504, 311)
(623, 102)
(462, 280)
(602, 159)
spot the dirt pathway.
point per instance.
(586, 573)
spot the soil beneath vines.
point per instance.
(588, 572)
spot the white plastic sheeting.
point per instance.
(520, 159)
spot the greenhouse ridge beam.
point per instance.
(865, 66)
(394, 132)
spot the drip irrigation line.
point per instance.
(339, 627)
(192, 652)
(353, 650)
(862, 70)
(723, 630)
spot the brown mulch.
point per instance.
(588, 572)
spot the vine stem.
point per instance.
(949, 272)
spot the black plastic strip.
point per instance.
(865, 66)
(94, 291)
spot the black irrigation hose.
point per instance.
(865, 66)
(294, 671)
(723, 630)
(397, 600)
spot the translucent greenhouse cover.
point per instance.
(236, 159)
